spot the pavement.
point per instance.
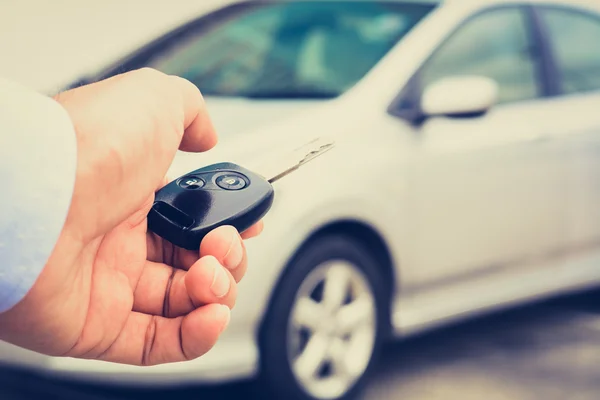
(546, 351)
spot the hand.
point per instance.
(111, 290)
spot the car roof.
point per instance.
(586, 3)
(593, 3)
(469, 4)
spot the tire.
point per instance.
(281, 340)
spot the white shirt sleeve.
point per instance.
(38, 158)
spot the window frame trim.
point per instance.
(552, 58)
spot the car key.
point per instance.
(189, 207)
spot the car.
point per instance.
(465, 176)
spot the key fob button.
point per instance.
(230, 181)
(191, 182)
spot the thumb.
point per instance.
(129, 128)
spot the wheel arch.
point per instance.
(358, 230)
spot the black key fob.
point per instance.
(185, 210)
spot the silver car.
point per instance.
(465, 176)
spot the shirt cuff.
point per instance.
(38, 160)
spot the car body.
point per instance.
(474, 185)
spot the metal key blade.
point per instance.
(289, 162)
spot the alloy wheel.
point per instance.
(331, 329)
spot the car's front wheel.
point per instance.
(325, 323)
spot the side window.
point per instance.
(575, 42)
(494, 44)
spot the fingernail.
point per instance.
(220, 284)
(234, 256)
(226, 315)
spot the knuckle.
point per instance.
(166, 310)
(149, 340)
(148, 72)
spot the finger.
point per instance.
(160, 250)
(253, 231)
(226, 245)
(171, 292)
(223, 243)
(151, 340)
(208, 281)
(200, 134)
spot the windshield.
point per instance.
(305, 49)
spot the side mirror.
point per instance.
(459, 96)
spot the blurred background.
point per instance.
(448, 248)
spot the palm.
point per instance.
(94, 300)
(115, 270)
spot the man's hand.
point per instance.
(111, 290)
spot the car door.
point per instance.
(572, 38)
(487, 192)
